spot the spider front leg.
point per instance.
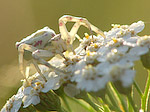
(28, 49)
(70, 36)
(40, 54)
(21, 50)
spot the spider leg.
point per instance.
(70, 36)
(30, 48)
(40, 54)
(21, 49)
(37, 55)
(38, 70)
(27, 70)
(78, 37)
(97, 30)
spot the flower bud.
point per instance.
(49, 101)
(146, 60)
(124, 90)
(27, 109)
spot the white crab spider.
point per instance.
(45, 44)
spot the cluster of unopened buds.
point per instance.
(97, 61)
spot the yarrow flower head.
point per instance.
(37, 84)
(14, 103)
(96, 61)
(108, 59)
(30, 92)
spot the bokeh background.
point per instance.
(20, 18)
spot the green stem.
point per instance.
(81, 104)
(112, 107)
(130, 108)
(112, 98)
(122, 102)
(61, 109)
(138, 88)
(130, 99)
(145, 97)
(106, 108)
(118, 97)
(66, 102)
(88, 100)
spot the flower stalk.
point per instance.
(138, 88)
(92, 104)
(145, 96)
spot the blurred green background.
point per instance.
(20, 18)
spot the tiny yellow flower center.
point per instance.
(37, 83)
(121, 32)
(115, 25)
(115, 40)
(95, 45)
(88, 53)
(86, 35)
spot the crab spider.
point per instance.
(44, 44)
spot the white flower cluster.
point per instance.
(98, 60)
(29, 93)
(14, 103)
